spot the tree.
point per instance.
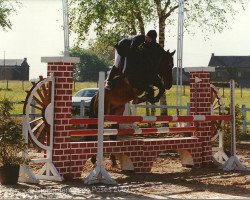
(6, 8)
(105, 53)
(89, 66)
(113, 19)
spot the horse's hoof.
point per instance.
(93, 160)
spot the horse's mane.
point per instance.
(154, 49)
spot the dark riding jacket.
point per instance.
(136, 63)
(126, 45)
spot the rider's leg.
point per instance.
(114, 71)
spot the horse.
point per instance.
(123, 91)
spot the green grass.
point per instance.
(16, 92)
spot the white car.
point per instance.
(83, 96)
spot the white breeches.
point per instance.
(118, 60)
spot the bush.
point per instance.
(12, 142)
(226, 128)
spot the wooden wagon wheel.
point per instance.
(39, 128)
(40, 98)
(217, 108)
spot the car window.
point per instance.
(90, 93)
(86, 93)
(80, 93)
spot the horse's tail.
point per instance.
(92, 114)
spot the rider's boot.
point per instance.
(114, 71)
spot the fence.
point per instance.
(82, 108)
(134, 108)
(245, 122)
(33, 110)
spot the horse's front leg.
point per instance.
(148, 96)
(139, 100)
(161, 88)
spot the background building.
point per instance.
(14, 69)
(226, 68)
(231, 67)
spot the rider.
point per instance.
(128, 47)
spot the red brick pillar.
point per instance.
(62, 68)
(200, 104)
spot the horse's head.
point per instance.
(164, 68)
(162, 62)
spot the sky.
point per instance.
(38, 32)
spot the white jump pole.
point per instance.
(99, 174)
(233, 163)
(179, 56)
(26, 174)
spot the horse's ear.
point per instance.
(168, 51)
(172, 53)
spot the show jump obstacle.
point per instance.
(65, 158)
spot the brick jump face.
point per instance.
(200, 104)
(62, 68)
(70, 157)
(140, 152)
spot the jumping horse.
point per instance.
(122, 92)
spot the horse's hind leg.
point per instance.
(113, 160)
(113, 137)
(93, 159)
(114, 126)
(115, 111)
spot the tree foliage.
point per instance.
(89, 66)
(104, 52)
(109, 19)
(6, 8)
(113, 19)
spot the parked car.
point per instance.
(84, 95)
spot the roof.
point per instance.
(230, 61)
(11, 62)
